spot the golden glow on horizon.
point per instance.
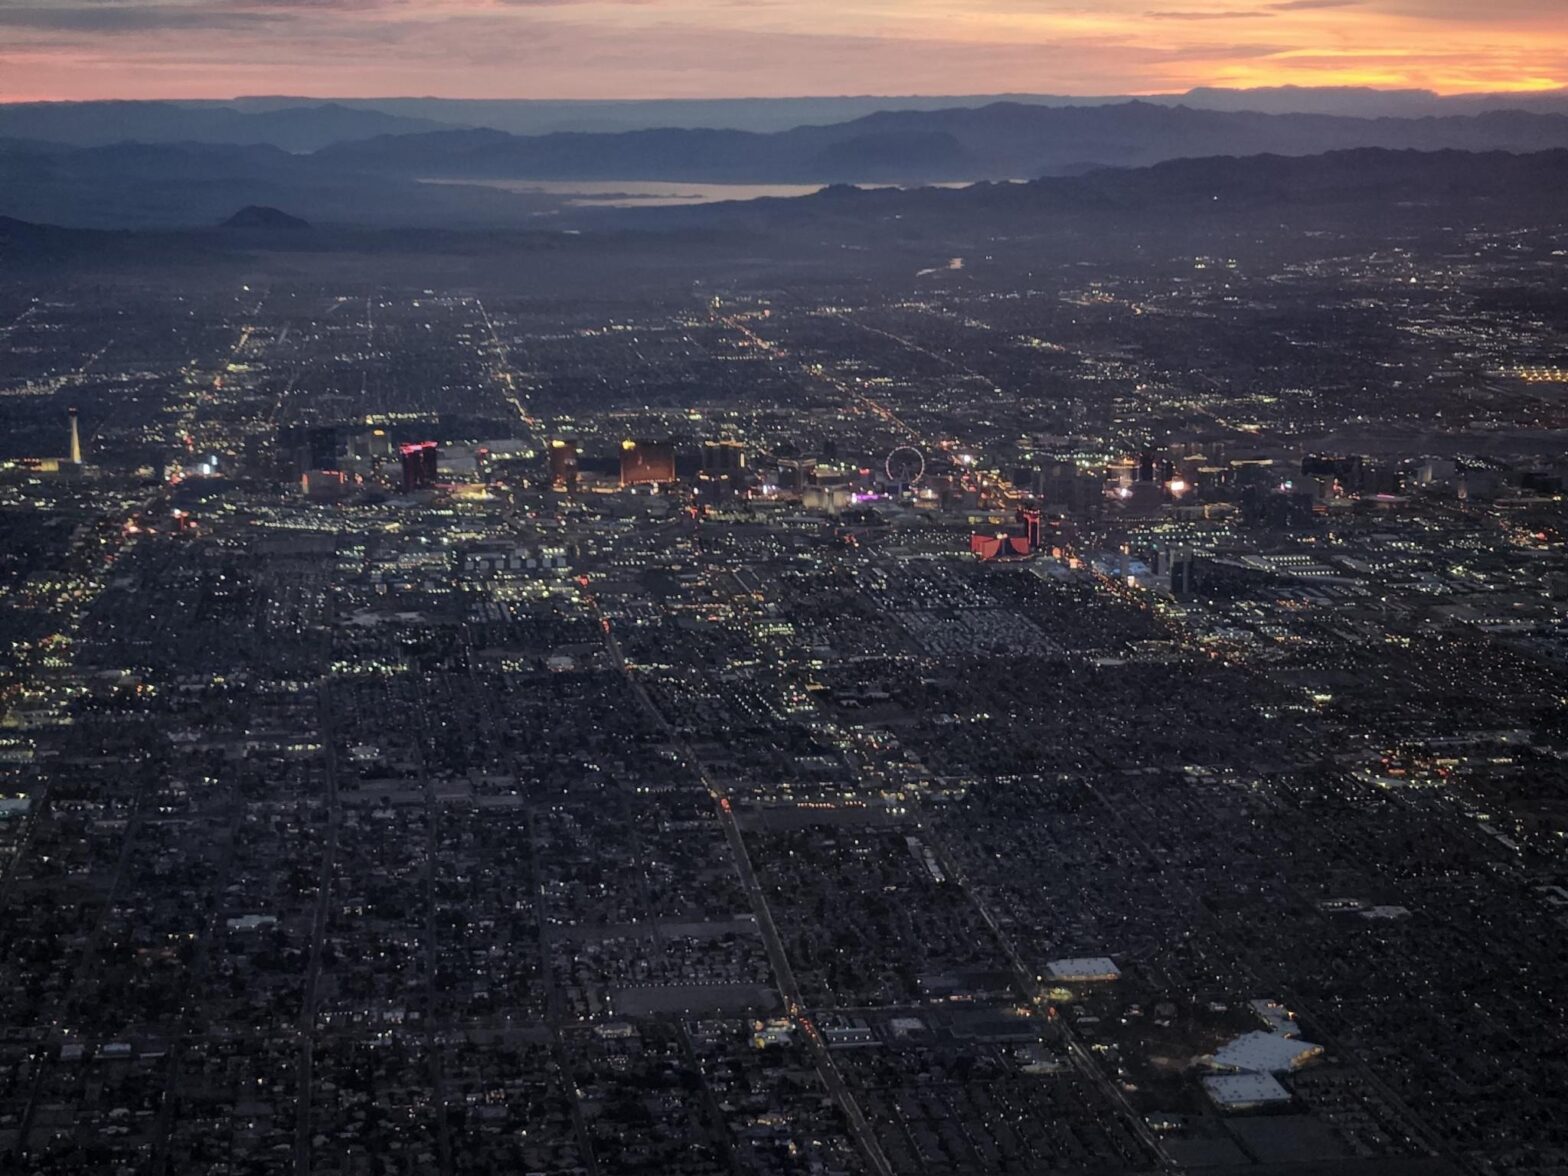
(719, 48)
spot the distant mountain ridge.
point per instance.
(1390, 187)
(1365, 101)
(1386, 177)
(305, 123)
(1000, 141)
(303, 127)
(195, 185)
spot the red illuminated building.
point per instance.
(419, 465)
(1030, 517)
(993, 547)
(1006, 545)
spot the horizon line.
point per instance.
(1422, 91)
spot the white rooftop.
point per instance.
(1244, 1090)
(1262, 1052)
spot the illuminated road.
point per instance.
(318, 934)
(504, 373)
(875, 407)
(789, 990)
(5, 332)
(911, 345)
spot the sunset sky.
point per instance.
(725, 48)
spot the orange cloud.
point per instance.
(716, 48)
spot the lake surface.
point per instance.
(639, 193)
(653, 193)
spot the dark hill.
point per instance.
(22, 240)
(259, 216)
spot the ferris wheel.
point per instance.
(906, 465)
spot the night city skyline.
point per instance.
(709, 588)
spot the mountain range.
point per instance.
(1380, 194)
(1005, 140)
(378, 181)
(296, 127)
(1372, 185)
(304, 124)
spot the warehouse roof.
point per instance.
(1262, 1052)
(1244, 1090)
